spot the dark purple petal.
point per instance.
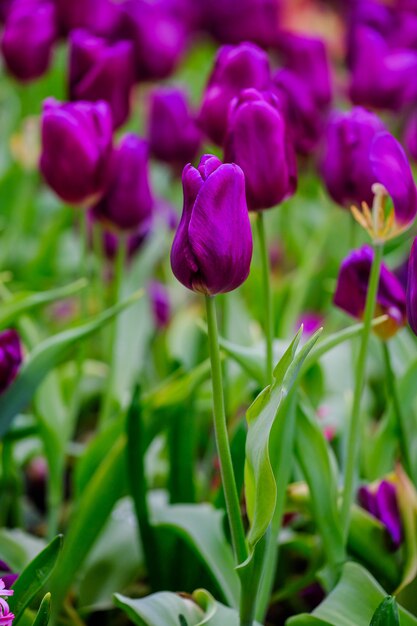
(160, 303)
(388, 511)
(100, 17)
(11, 357)
(412, 288)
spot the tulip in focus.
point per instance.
(352, 289)
(258, 141)
(382, 504)
(29, 36)
(212, 248)
(11, 357)
(236, 68)
(172, 130)
(76, 149)
(102, 71)
(127, 203)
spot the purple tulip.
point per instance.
(236, 68)
(102, 71)
(28, 38)
(160, 304)
(382, 503)
(158, 35)
(412, 288)
(212, 248)
(76, 149)
(127, 203)
(304, 117)
(110, 240)
(307, 57)
(352, 289)
(258, 141)
(11, 357)
(359, 153)
(381, 78)
(235, 21)
(100, 17)
(4, 9)
(172, 130)
(410, 135)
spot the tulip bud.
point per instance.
(102, 71)
(28, 38)
(76, 149)
(236, 68)
(100, 17)
(212, 248)
(352, 290)
(161, 307)
(173, 133)
(158, 37)
(360, 153)
(382, 503)
(127, 203)
(258, 141)
(11, 357)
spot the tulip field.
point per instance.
(208, 312)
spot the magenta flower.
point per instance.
(100, 17)
(236, 68)
(76, 149)
(6, 617)
(212, 248)
(127, 203)
(102, 71)
(352, 289)
(11, 357)
(258, 141)
(382, 503)
(28, 38)
(172, 130)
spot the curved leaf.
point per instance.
(386, 614)
(44, 612)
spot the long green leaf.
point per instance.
(22, 303)
(88, 519)
(386, 614)
(44, 612)
(44, 358)
(34, 577)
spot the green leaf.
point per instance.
(18, 548)
(352, 602)
(177, 388)
(407, 503)
(44, 358)
(22, 303)
(318, 466)
(88, 518)
(44, 612)
(34, 577)
(263, 415)
(201, 526)
(169, 609)
(386, 614)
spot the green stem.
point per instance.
(355, 421)
(116, 296)
(222, 440)
(266, 288)
(393, 393)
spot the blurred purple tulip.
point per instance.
(258, 141)
(11, 357)
(235, 21)
(158, 35)
(110, 240)
(212, 248)
(160, 304)
(127, 203)
(76, 149)
(352, 289)
(412, 288)
(172, 130)
(236, 68)
(382, 504)
(28, 38)
(100, 17)
(410, 135)
(359, 153)
(101, 71)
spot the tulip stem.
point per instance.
(266, 288)
(117, 285)
(222, 439)
(355, 421)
